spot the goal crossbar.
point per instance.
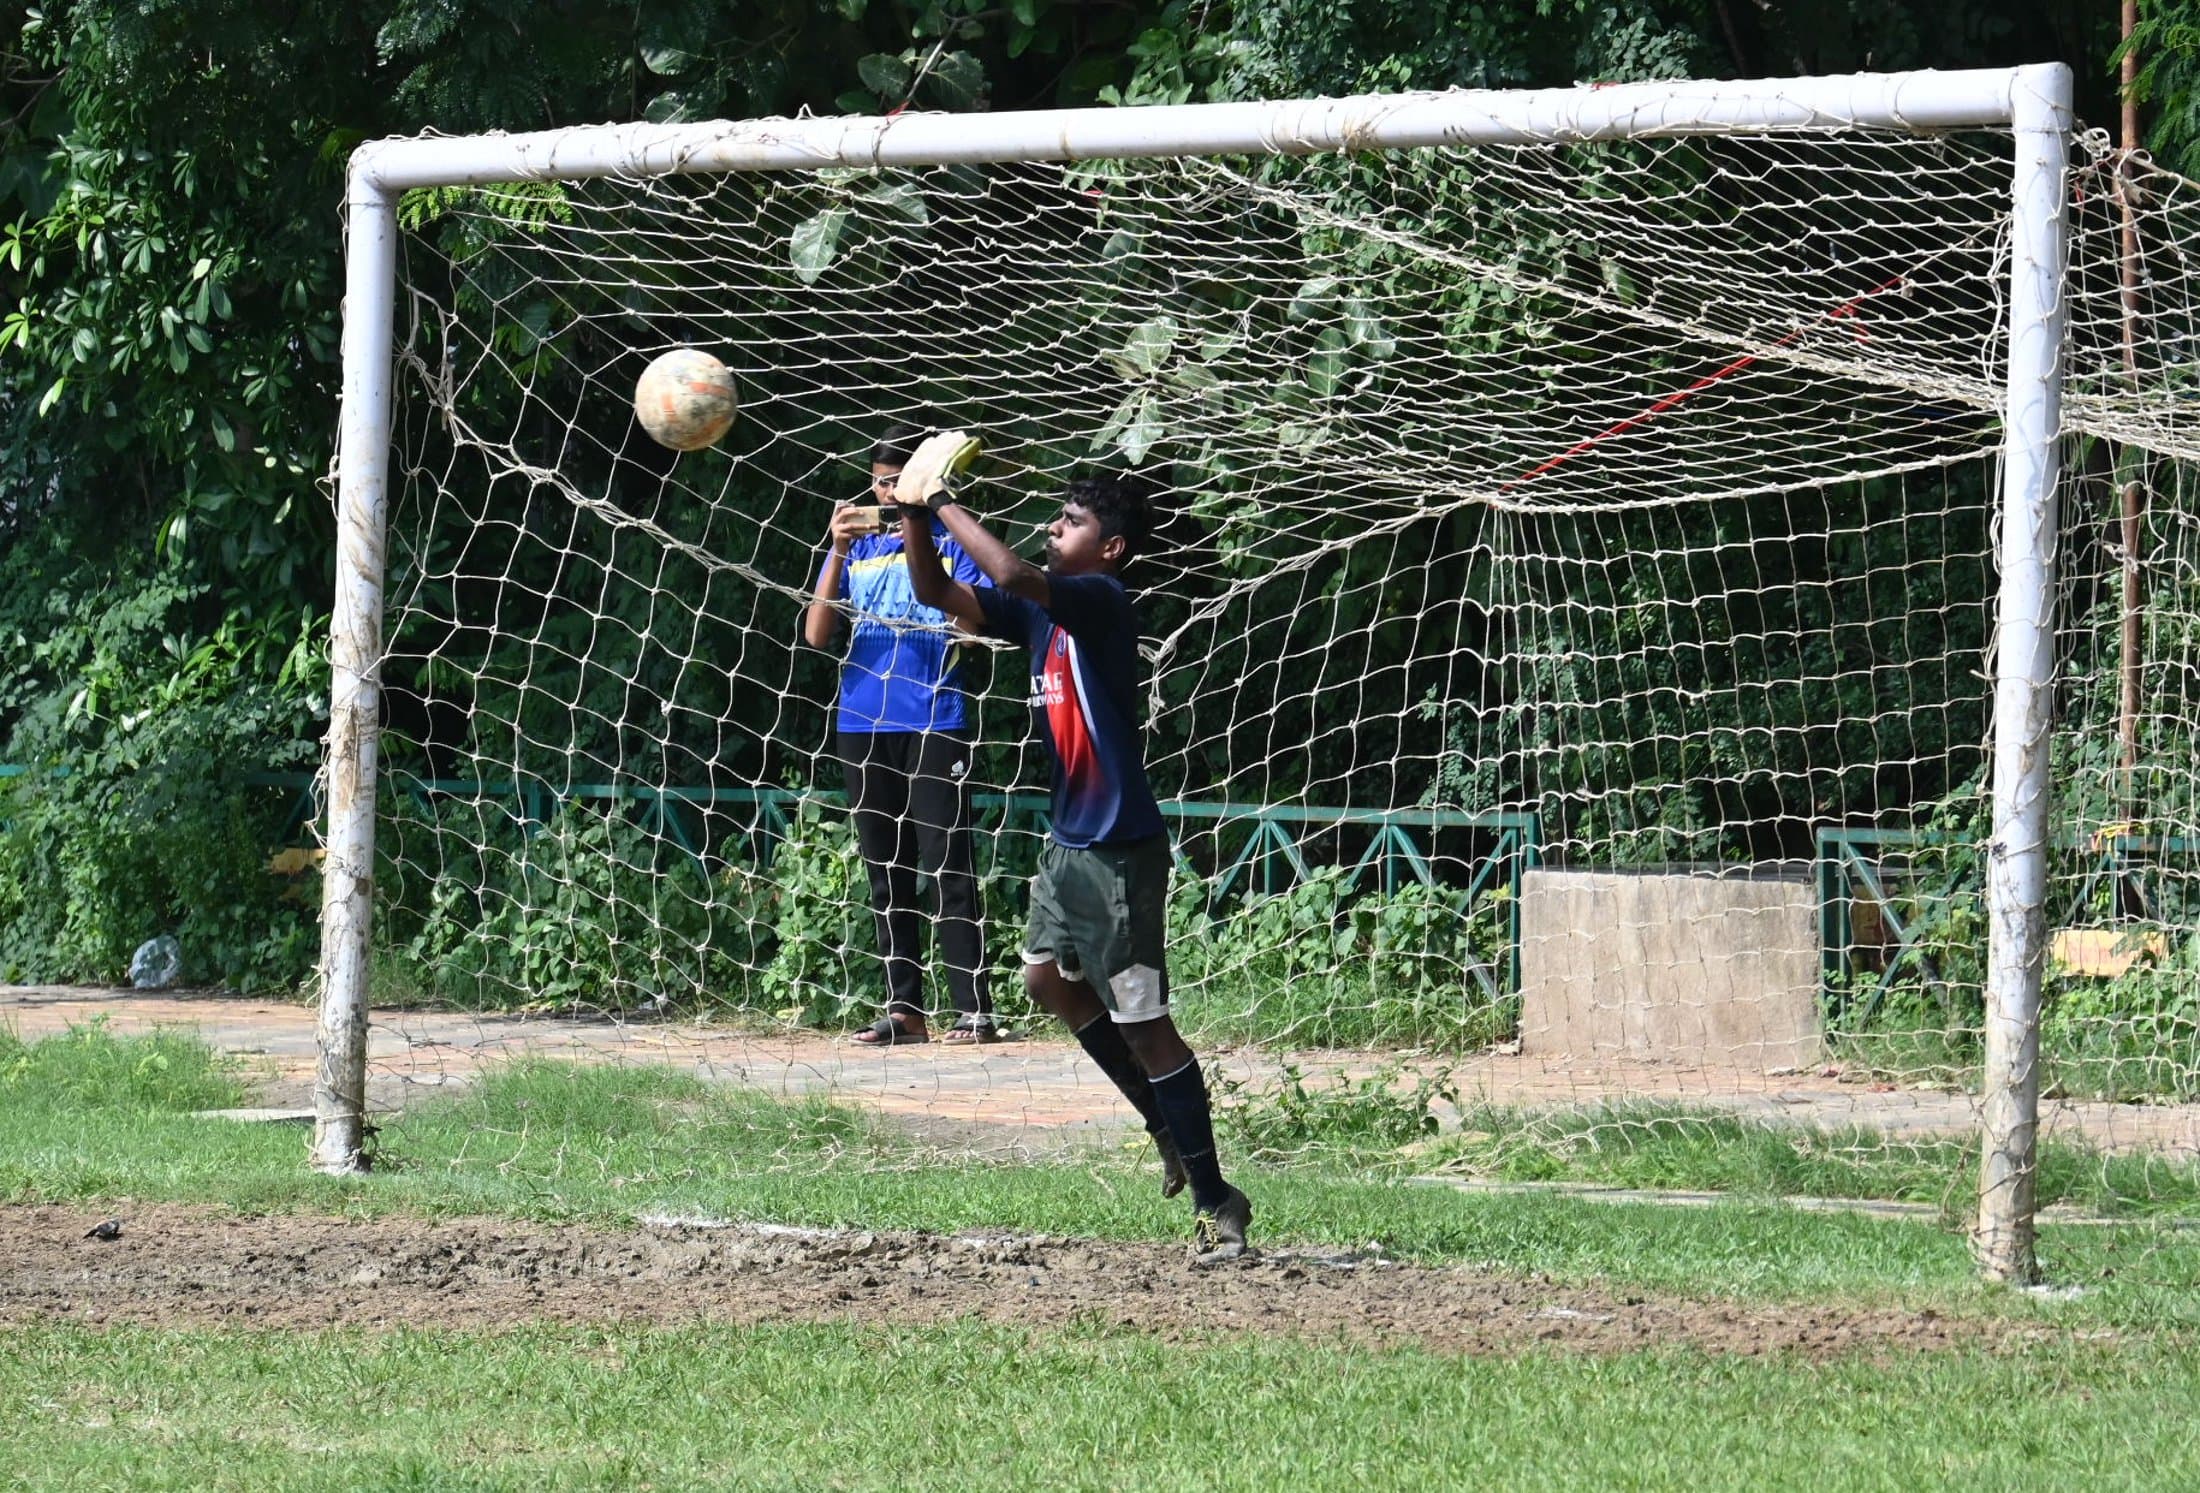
(1913, 102)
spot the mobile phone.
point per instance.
(872, 516)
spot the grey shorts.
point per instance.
(1100, 914)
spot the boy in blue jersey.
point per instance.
(1094, 955)
(903, 737)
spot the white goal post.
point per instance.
(2032, 103)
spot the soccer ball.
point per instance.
(685, 399)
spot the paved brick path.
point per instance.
(1022, 1085)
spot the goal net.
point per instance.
(1569, 649)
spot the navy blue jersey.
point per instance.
(904, 666)
(1084, 700)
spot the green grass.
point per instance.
(1674, 1146)
(973, 1407)
(2123, 1054)
(94, 1117)
(2097, 1041)
(2102, 1398)
(89, 1069)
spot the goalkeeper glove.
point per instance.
(940, 458)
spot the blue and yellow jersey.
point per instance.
(903, 671)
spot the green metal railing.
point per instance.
(1849, 860)
(1852, 861)
(1274, 852)
(1851, 864)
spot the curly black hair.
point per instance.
(1122, 505)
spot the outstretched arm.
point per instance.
(922, 489)
(1002, 565)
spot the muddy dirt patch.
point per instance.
(191, 1266)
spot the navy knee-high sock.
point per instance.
(1103, 1043)
(1182, 1096)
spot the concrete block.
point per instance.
(1711, 968)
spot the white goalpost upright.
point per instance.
(2031, 104)
(2024, 676)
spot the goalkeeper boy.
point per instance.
(1094, 954)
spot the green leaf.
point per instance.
(958, 79)
(816, 243)
(1147, 347)
(851, 10)
(1312, 299)
(1325, 366)
(1104, 438)
(903, 200)
(1157, 41)
(885, 75)
(1091, 72)
(1366, 328)
(1124, 243)
(858, 101)
(1620, 283)
(666, 61)
(1144, 431)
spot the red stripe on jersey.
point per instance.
(1066, 713)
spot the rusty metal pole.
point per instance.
(2133, 494)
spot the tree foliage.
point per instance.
(170, 282)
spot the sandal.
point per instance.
(971, 1031)
(887, 1032)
